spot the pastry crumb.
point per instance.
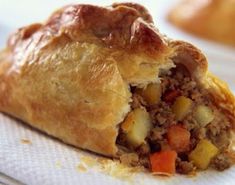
(110, 167)
(25, 141)
(58, 164)
(81, 168)
(89, 161)
(117, 170)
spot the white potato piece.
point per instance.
(204, 152)
(151, 94)
(204, 115)
(139, 125)
(181, 107)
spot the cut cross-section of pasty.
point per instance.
(104, 79)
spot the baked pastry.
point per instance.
(212, 19)
(104, 79)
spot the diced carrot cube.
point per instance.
(170, 96)
(178, 138)
(163, 162)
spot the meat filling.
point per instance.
(174, 126)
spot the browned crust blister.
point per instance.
(70, 76)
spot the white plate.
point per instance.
(47, 161)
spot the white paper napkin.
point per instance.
(36, 159)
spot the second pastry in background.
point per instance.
(210, 19)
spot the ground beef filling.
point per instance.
(160, 112)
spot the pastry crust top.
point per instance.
(211, 19)
(125, 26)
(70, 76)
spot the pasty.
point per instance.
(211, 19)
(104, 79)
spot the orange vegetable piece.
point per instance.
(128, 123)
(178, 138)
(163, 162)
(170, 96)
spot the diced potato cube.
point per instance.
(181, 107)
(139, 127)
(203, 115)
(151, 94)
(204, 152)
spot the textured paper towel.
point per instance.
(36, 159)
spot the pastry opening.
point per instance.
(174, 126)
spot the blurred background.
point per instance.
(15, 14)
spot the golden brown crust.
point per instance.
(70, 76)
(46, 93)
(223, 97)
(123, 26)
(191, 57)
(209, 19)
